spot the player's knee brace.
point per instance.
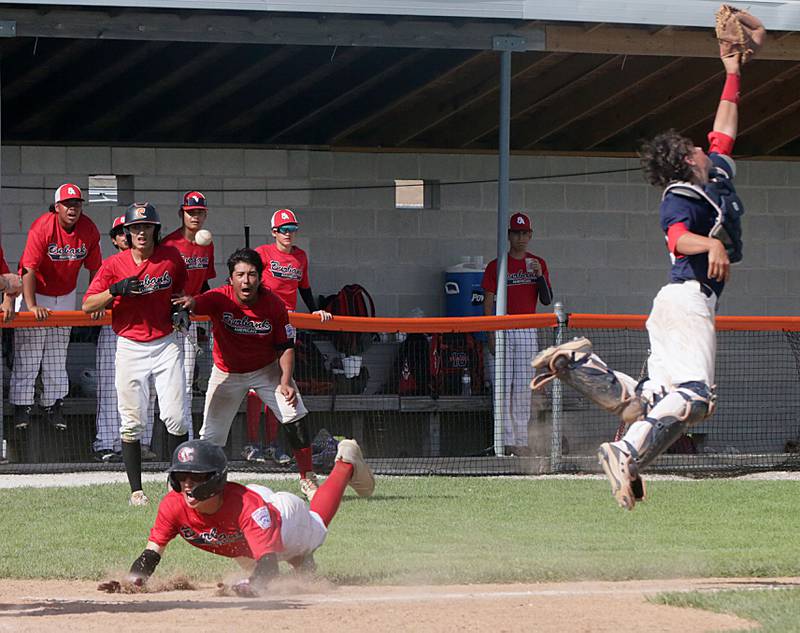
(297, 433)
(688, 405)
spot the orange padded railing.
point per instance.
(305, 321)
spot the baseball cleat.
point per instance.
(277, 455)
(309, 485)
(138, 498)
(148, 455)
(362, 481)
(107, 456)
(620, 471)
(22, 416)
(253, 453)
(55, 416)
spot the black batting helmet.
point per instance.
(200, 457)
(142, 213)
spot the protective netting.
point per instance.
(429, 396)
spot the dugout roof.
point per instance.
(586, 76)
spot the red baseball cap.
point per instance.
(282, 217)
(118, 222)
(194, 200)
(68, 191)
(519, 222)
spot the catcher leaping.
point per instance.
(701, 219)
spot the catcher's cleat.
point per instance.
(22, 416)
(253, 453)
(277, 455)
(620, 471)
(553, 360)
(362, 481)
(138, 498)
(309, 485)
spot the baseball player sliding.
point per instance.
(199, 260)
(59, 243)
(253, 349)
(700, 216)
(139, 284)
(253, 524)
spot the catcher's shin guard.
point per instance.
(674, 414)
(575, 364)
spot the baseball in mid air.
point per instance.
(203, 237)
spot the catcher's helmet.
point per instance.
(200, 456)
(142, 213)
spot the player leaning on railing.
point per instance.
(700, 216)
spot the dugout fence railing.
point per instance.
(427, 396)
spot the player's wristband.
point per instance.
(146, 564)
(730, 91)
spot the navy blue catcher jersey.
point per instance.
(699, 217)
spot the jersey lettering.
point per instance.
(212, 537)
(66, 253)
(195, 262)
(154, 284)
(286, 271)
(245, 325)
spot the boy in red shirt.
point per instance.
(200, 270)
(253, 524)
(253, 349)
(59, 243)
(527, 283)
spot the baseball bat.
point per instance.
(247, 236)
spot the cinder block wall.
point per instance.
(598, 232)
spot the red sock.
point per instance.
(253, 416)
(303, 458)
(271, 425)
(326, 502)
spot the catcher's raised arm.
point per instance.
(739, 33)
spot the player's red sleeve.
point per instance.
(34, 250)
(166, 525)
(720, 143)
(3, 265)
(281, 320)
(674, 233)
(205, 303)
(261, 527)
(102, 280)
(489, 280)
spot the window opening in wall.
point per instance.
(109, 189)
(416, 194)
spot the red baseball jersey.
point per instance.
(145, 316)
(246, 338)
(284, 273)
(522, 293)
(57, 256)
(199, 261)
(3, 265)
(245, 525)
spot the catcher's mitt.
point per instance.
(739, 33)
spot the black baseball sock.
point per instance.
(132, 456)
(174, 441)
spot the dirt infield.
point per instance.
(65, 606)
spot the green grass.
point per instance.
(446, 530)
(777, 611)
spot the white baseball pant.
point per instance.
(683, 348)
(226, 392)
(302, 529)
(136, 362)
(521, 346)
(108, 437)
(189, 342)
(30, 345)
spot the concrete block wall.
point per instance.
(597, 231)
